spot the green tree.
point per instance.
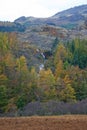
(3, 97)
(78, 48)
(21, 101)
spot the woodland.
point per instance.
(62, 79)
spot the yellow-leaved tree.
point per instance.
(68, 94)
(47, 83)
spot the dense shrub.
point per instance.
(54, 108)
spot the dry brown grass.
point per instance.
(44, 123)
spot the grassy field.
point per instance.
(75, 122)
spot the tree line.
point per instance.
(64, 77)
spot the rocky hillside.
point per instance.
(64, 25)
(71, 17)
(67, 18)
(41, 33)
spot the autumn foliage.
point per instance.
(20, 84)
